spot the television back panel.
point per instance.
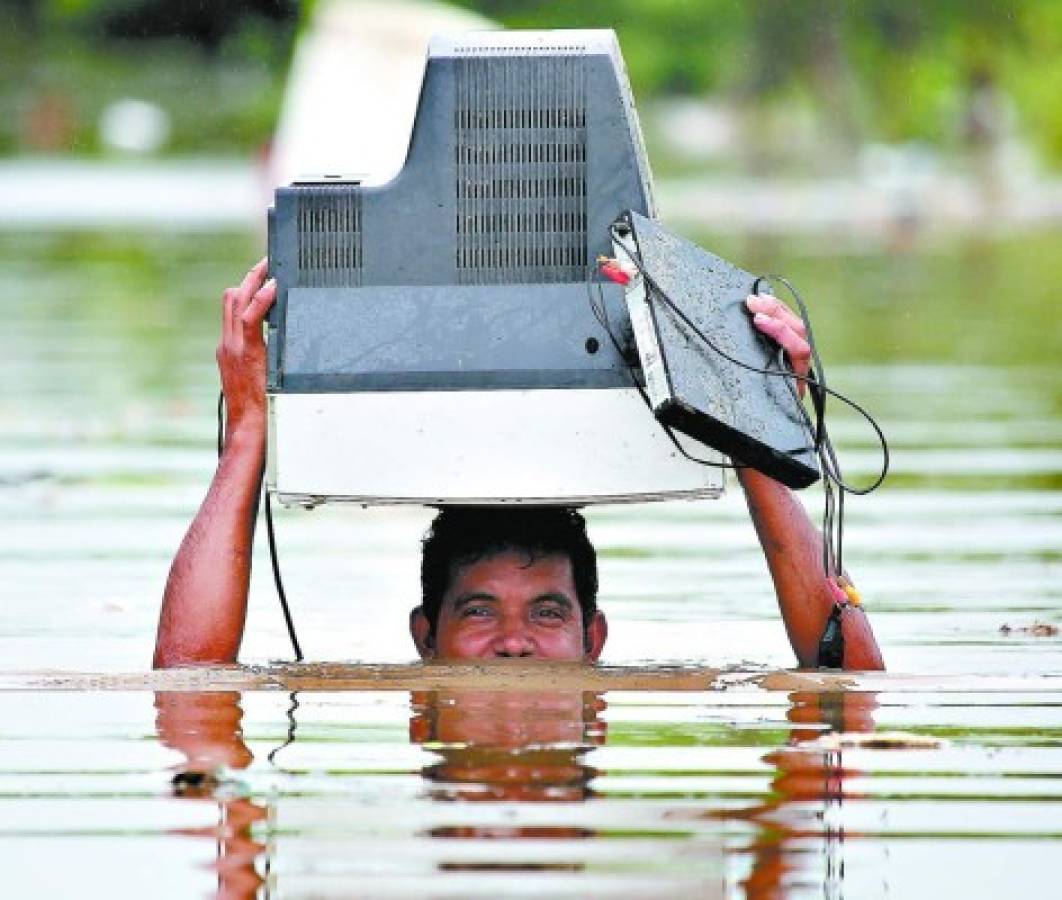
(433, 339)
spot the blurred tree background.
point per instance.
(824, 75)
(860, 70)
(215, 67)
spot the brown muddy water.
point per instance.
(690, 764)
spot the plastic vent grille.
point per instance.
(521, 169)
(329, 229)
(538, 49)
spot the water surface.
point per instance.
(106, 445)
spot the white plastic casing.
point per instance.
(555, 446)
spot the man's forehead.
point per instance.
(510, 567)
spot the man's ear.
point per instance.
(420, 629)
(596, 634)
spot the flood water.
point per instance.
(735, 789)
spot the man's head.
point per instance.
(514, 581)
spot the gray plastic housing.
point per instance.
(471, 269)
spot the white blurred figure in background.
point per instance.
(134, 127)
(352, 91)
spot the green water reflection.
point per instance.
(501, 785)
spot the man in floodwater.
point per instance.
(510, 582)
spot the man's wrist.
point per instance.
(245, 439)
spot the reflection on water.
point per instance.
(800, 824)
(505, 746)
(474, 793)
(205, 729)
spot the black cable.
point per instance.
(273, 556)
(831, 548)
(600, 312)
(221, 422)
(833, 515)
(274, 559)
(816, 387)
(814, 382)
(292, 725)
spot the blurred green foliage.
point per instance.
(216, 68)
(887, 70)
(890, 70)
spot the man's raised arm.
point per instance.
(205, 603)
(791, 544)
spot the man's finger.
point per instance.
(798, 349)
(256, 310)
(772, 306)
(228, 315)
(251, 283)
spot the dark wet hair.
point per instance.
(460, 535)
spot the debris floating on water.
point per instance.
(1037, 629)
(194, 784)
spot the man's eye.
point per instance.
(551, 612)
(470, 612)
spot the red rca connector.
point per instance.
(614, 270)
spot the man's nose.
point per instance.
(513, 640)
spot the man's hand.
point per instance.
(778, 321)
(205, 603)
(242, 354)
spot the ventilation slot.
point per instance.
(329, 229)
(538, 49)
(520, 128)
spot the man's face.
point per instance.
(500, 606)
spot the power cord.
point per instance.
(833, 514)
(273, 556)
